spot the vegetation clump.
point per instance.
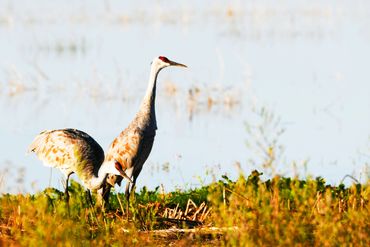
(248, 211)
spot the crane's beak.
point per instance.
(172, 63)
(124, 175)
(118, 167)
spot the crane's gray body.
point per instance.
(133, 146)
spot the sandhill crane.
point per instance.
(133, 145)
(74, 151)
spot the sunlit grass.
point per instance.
(286, 211)
(248, 211)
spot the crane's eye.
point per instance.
(164, 59)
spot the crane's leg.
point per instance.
(106, 194)
(66, 189)
(89, 198)
(134, 176)
(127, 195)
(103, 195)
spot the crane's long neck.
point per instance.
(146, 116)
(96, 182)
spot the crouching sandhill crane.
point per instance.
(133, 145)
(74, 151)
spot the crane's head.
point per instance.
(163, 62)
(116, 168)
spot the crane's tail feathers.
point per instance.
(38, 142)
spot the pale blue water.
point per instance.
(84, 64)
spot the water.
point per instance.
(86, 66)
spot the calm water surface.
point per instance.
(85, 65)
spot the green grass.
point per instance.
(280, 211)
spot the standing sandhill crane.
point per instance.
(74, 151)
(133, 145)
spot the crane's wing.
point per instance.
(67, 149)
(131, 149)
(125, 148)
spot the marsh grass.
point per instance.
(278, 211)
(286, 211)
